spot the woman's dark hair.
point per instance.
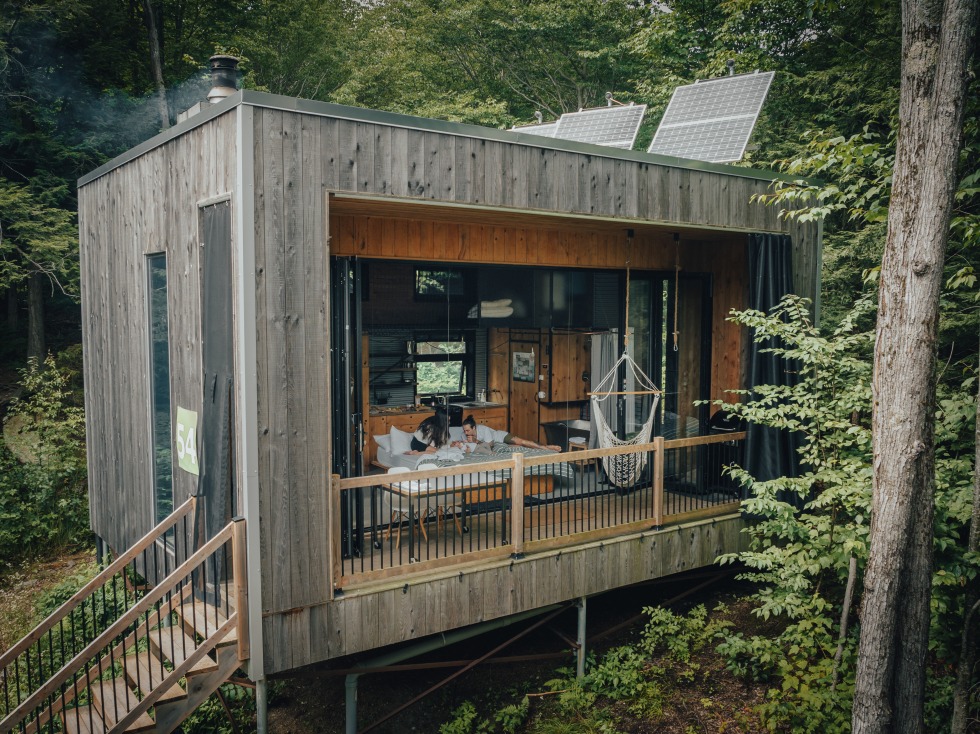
(435, 430)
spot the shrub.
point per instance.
(43, 490)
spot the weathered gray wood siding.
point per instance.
(400, 611)
(147, 206)
(298, 157)
(292, 401)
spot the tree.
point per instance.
(37, 241)
(890, 681)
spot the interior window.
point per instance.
(438, 284)
(441, 366)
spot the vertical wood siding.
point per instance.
(146, 206)
(149, 204)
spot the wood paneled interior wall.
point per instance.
(724, 257)
(118, 227)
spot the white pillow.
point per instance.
(384, 441)
(401, 442)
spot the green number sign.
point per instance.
(187, 440)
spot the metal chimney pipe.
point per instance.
(224, 77)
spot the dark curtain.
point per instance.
(770, 452)
(215, 489)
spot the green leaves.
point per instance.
(36, 237)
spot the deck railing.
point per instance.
(440, 517)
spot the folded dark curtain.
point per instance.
(771, 452)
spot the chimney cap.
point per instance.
(224, 77)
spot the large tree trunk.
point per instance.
(156, 62)
(890, 682)
(35, 318)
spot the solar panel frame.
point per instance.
(712, 120)
(612, 127)
(545, 129)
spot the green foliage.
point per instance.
(211, 716)
(466, 720)
(792, 551)
(36, 237)
(43, 492)
(808, 527)
(681, 636)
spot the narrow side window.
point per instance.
(163, 488)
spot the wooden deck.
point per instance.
(576, 505)
(457, 535)
(526, 552)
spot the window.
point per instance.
(163, 489)
(439, 284)
(442, 367)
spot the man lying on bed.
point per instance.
(477, 433)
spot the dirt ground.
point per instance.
(312, 702)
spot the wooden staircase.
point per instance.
(167, 650)
(147, 666)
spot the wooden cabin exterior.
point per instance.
(297, 188)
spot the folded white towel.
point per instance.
(498, 312)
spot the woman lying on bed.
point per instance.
(477, 433)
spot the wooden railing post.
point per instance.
(334, 520)
(240, 570)
(658, 480)
(517, 503)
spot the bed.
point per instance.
(488, 486)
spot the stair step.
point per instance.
(176, 646)
(145, 671)
(200, 617)
(114, 699)
(82, 720)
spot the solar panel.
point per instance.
(712, 120)
(615, 127)
(546, 130)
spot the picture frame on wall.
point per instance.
(523, 366)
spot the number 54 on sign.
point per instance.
(186, 440)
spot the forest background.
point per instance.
(84, 80)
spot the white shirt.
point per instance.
(487, 434)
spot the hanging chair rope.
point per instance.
(624, 470)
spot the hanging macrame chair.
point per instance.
(624, 470)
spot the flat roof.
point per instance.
(392, 119)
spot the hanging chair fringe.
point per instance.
(624, 470)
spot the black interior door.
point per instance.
(346, 390)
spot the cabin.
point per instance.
(277, 292)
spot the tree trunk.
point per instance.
(13, 309)
(156, 62)
(968, 640)
(890, 681)
(35, 318)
